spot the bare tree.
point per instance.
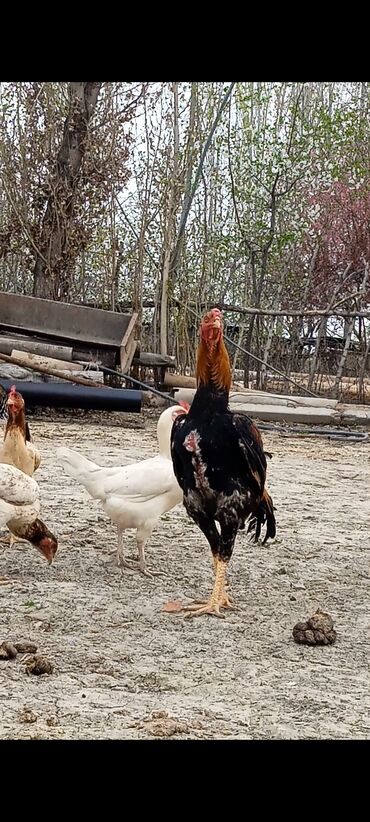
(55, 255)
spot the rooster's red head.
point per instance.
(213, 364)
(211, 328)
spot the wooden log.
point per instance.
(48, 362)
(149, 360)
(52, 371)
(92, 376)
(291, 400)
(275, 413)
(44, 349)
(261, 398)
(179, 381)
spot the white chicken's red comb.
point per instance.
(184, 405)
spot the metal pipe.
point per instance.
(65, 395)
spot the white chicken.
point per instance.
(20, 507)
(133, 496)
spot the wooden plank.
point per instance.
(127, 355)
(58, 352)
(128, 345)
(129, 330)
(131, 354)
(63, 320)
(47, 362)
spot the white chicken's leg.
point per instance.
(11, 540)
(142, 536)
(119, 554)
(142, 564)
(121, 562)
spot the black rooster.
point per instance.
(219, 462)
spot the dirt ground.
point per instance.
(126, 670)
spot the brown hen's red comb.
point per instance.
(12, 390)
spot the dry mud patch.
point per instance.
(125, 670)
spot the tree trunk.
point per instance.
(55, 256)
(170, 223)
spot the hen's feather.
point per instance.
(135, 495)
(19, 498)
(138, 482)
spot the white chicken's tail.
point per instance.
(79, 467)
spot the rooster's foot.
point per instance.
(200, 608)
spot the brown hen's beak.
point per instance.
(216, 323)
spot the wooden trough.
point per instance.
(66, 331)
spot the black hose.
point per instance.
(67, 395)
(142, 384)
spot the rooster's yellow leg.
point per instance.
(226, 601)
(217, 598)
